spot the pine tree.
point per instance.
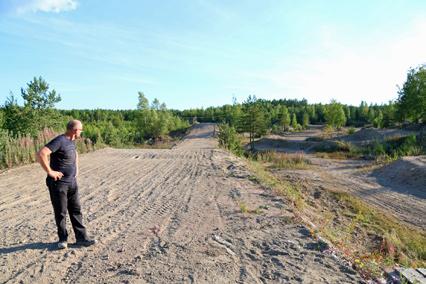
(294, 121)
(411, 103)
(252, 120)
(305, 120)
(335, 115)
(284, 118)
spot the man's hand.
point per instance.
(55, 175)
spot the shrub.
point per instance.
(229, 139)
(396, 147)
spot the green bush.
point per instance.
(229, 139)
(396, 147)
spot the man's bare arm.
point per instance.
(43, 159)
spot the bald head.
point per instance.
(74, 124)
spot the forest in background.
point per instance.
(25, 128)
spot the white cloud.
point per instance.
(47, 6)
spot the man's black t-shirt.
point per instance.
(63, 157)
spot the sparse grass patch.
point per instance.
(283, 160)
(267, 179)
(336, 155)
(245, 209)
(337, 150)
(327, 132)
(395, 242)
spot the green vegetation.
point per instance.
(395, 148)
(305, 121)
(252, 120)
(371, 239)
(411, 103)
(229, 139)
(245, 209)
(334, 115)
(292, 192)
(152, 123)
(25, 129)
(283, 118)
(282, 160)
(37, 112)
(20, 149)
(392, 241)
(388, 150)
(279, 115)
(283, 113)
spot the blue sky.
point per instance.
(200, 53)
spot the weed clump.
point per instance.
(283, 160)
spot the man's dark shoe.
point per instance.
(86, 243)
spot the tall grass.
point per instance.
(283, 160)
(21, 149)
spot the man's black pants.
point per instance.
(64, 197)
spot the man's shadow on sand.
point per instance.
(36, 246)
(33, 246)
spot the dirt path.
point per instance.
(162, 216)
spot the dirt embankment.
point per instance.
(162, 216)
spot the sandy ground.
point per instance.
(162, 216)
(398, 188)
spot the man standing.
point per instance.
(62, 183)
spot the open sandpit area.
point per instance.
(369, 135)
(397, 188)
(406, 175)
(161, 216)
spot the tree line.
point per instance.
(285, 114)
(25, 128)
(153, 121)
